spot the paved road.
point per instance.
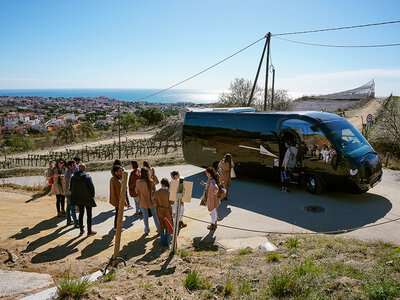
(260, 206)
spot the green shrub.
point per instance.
(272, 257)
(280, 284)
(386, 290)
(292, 242)
(245, 251)
(244, 287)
(228, 288)
(193, 281)
(69, 287)
(110, 275)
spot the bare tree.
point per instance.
(239, 93)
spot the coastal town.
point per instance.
(46, 114)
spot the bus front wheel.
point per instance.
(314, 184)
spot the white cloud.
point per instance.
(386, 81)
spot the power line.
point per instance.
(203, 71)
(337, 28)
(339, 46)
(339, 231)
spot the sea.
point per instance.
(131, 95)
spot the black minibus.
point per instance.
(331, 151)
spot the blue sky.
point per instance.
(155, 44)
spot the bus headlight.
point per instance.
(353, 172)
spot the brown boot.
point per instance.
(212, 227)
(181, 224)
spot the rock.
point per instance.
(390, 263)
(280, 243)
(219, 288)
(186, 270)
(159, 283)
(12, 256)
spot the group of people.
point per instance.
(70, 181)
(148, 201)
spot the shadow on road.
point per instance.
(341, 211)
(43, 225)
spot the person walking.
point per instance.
(289, 162)
(117, 162)
(115, 191)
(224, 170)
(58, 186)
(71, 209)
(175, 176)
(133, 177)
(82, 194)
(145, 190)
(164, 210)
(211, 197)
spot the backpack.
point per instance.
(292, 160)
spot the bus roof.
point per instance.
(319, 116)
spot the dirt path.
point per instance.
(356, 116)
(130, 136)
(30, 229)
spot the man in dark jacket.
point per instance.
(82, 194)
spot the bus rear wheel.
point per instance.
(314, 184)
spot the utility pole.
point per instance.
(273, 87)
(258, 72)
(267, 71)
(119, 131)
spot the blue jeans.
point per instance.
(137, 205)
(71, 211)
(146, 219)
(165, 238)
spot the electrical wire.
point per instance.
(339, 46)
(203, 71)
(302, 233)
(337, 28)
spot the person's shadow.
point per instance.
(223, 210)
(102, 217)
(206, 243)
(43, 225)
(58, 252)
(164, 270)
(97, 246)
(43, 240)
(136, 248)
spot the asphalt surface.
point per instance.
(258, 207)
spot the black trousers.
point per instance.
(60, 203)
(88, 217)
(116, 217)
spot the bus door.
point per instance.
(269, 154)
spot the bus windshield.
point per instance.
(347, 138)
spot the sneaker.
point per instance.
(90, 233)
(81, 232)
(76, 226)
(70, 223)
(59, 214)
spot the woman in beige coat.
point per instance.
(211, 192)
(164, 210)
(224, 169)
(57, 188)
(145, 190)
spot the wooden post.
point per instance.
(122, 200)
(387, 159)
